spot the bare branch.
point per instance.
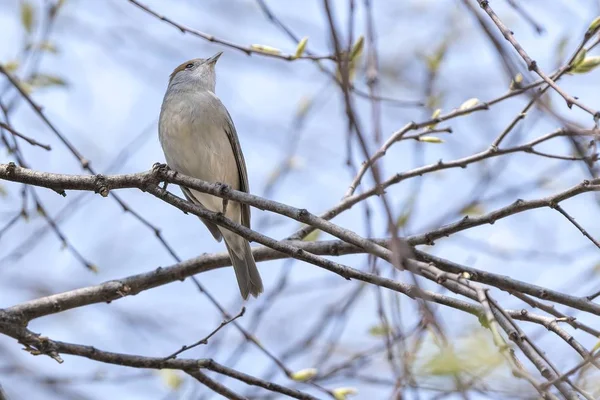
(248, 50)
(205, 339)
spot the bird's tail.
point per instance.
(244, 266)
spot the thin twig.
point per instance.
(205, 339)
(248, 50)
(532, 64)
(29, 140)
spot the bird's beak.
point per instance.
(214, 58)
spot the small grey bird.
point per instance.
(199, 140)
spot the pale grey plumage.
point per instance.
(199, 139)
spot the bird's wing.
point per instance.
(241, 164)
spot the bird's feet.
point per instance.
(223, 187)
(159, 169)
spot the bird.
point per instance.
(199, 139)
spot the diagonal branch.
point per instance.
(205, 339)
(248, 50)
(532, 64)
(29, 140)
(39, 345)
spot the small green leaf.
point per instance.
(436, 114)
(26, 87)
(265, 49)
(472, 209)
(434, 61)
(342, 393)
(380, 330)
(594, 25)
(27, 16)
(403, 219)
(45, 80)
(301, 47)
(304, 374)
(588, 64)
(357, 48)
(313, 236)
(171, 378)
(484, 321)
(472, 102)
(355, 56)
(579, 57)
(465, 275)
(444, 363)
(11, 66)
(516, 82)
(429, 139)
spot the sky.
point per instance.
(115, 60)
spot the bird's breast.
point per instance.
(194, 140)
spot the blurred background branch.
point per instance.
(464, 228)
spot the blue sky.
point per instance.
(116, 60)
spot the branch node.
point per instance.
(441, 277)
(429, 240)
(302, 214)
(101, 186)
(124, 291)
(532, 66)
(11, 168)
(56, 306)
(514, 336)
(335, 249)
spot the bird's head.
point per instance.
(198, 72)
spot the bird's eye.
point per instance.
(189, 66)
